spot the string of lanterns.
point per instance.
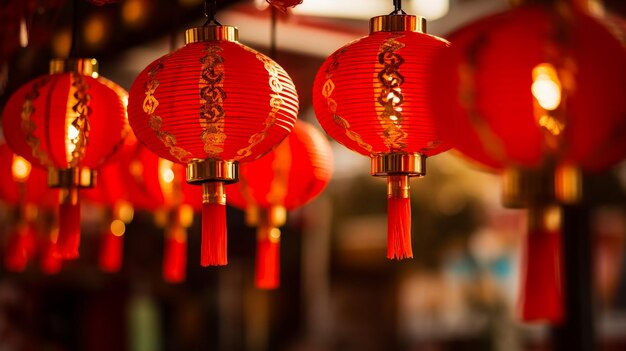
(540, 101)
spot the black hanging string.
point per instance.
(210, 8)
(74, 45)
(397, 5)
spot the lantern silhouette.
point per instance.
(290, 176)
(158, 185)
(69, 121)
(372, 96)
(210, 105)
(538, 91)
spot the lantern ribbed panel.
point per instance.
(492, 117)
(244, 94)
(35, 188)
(290, 176)
(52, 97)
(349, 79)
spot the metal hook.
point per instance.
(397, 4)
(210, 8)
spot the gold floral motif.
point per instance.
(212, 97)
(327, 91)
(28, 126)
(80, 124)
(275, 103)
(390, 96)
(150, 104)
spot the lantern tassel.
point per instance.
(49, 261)
(20, 249)
(542, 294)
(69, 224)
(175, 256)
(111, 252)
(399, 218)
(267, 275)
(213, 225)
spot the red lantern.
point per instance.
(283, 5)
(210, 105)
(372, 96)
(69, 122)
(288, 177)
(536, 87)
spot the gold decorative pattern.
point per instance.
(28, 126)
(390, 96)
(212, 97)
(150, 104)
(80, 124)
(327, 91)
(276, 102)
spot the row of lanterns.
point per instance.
(536, 91)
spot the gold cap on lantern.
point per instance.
(201, 171)
(211, 33)
(398, 23)
(84, 66)
(71, 178)
(413, 165)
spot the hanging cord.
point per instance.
(273, 34)
(210, 8)
(397, 4)
(74, 45)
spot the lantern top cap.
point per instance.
(84, 66)
(398, 23)
(211, 33)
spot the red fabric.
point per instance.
(267, 269)
(69, 230)
(246, 102)
(485, 105)
(175, 257)
(354, 69)
(214, 241)
(107, 119)
(21, 248)
(290, 176)
(111, 252)
(49, 261)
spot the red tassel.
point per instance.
(111, 252)
(49, 261)
(399, 218)
(267, 275)
(213, 235)
(542, 294)
(69, 226)
(20, 249)
(175, 257)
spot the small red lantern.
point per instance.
(69, 122)
(538, 87)
(372, 96)
(288, 177)
(210, 105)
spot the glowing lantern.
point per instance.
(288, 177)
(69, 122)
(372, 96)
(210, 105)
(539, 92)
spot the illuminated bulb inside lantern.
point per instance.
(125, 211)
(274, 234)
(166, 176)
(118, 227)
(546, 86)
(20, 169)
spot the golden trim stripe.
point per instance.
(80, 123)
(28, 126)
(212, 96)
(390, 96)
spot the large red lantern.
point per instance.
(286, 178)
(537, 90)
(372, 96)
(210, 105)
(69, 121)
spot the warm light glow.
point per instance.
(72, 132)
(185, 215)
(134, 12)
(343, 8)
(125, 211)
(20, 169)
(118, 227)
(167, 175)
(61, 43)
(260, 4)
(274, 234)
(23, 33)
(552, 218)
(430, 9)
(546, 86)
(95, 30)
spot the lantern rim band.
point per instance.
(84, 66)
(77, 177)
(211, 33)
(398, 23)
(412, 165)
(212, 170)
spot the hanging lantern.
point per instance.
(69, 122)
(539, 93)
(286, 178)
(372, 96)
(210, 105)
(283, 5)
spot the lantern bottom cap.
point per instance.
(76, 177)
(409, 164)
(212, 170)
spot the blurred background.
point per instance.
(338, 291)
